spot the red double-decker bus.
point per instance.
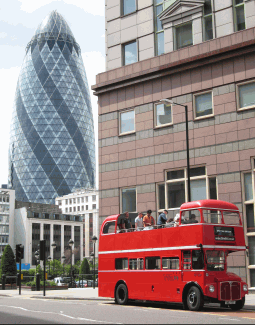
(184, 262)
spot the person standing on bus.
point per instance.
(162, 219)
(126, 221)
(148, 220)
(139, 221)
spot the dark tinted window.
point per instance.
(197, 260)
(152, 263)
(109, 228)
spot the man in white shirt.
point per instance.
(139, 221)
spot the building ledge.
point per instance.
(173, 62)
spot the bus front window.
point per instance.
(215, 260)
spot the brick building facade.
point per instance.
(142, 144)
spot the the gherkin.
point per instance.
(52, 145)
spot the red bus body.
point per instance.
(174, 244)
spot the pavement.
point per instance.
(84, 294)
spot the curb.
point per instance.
(70, 298)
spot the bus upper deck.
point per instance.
(211, 223)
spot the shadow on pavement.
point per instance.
(6, 318)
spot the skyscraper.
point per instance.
(52, 146)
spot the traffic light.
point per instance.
(19, 253)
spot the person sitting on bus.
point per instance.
(177, 220)
(139, 221)
(162, 219)
(126, 223)
(148, 220)
(192, 219)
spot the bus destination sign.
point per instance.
(224, 234)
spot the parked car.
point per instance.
(67, 281)
(82, 284)
(59, 282)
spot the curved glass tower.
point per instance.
(52, 145)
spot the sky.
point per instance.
(18, 22)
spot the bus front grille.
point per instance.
(230, 291)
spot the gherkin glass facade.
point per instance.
(52, 144)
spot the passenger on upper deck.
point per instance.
(148, 220)
(126, 224)
(192, 219)
(139, 221)
(162, 219)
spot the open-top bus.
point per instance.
(181, 263)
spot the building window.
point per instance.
(74, 201)
(163, 115)
(70, 209)
(248, 182)
(59, 202)
(127, 122)
(87, 207)
(174, 191)
(87, 199)
(94, 198)
(183, 36)
(82, 208)
(66, 201)
(94, 206)
(128, 6)
(208, 21)
(128, 199)
(82, 200)
(130, 53)
(239, 15)
(78, 208)
(160, 37)
(246, 95)
(78, 200)
(203, 105)
(74, 209)
(66, 209)
(70, 201)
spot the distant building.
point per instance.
(85, 203)
(7, 204)
(52, 145)
(35, 222)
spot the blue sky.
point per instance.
(18, 22)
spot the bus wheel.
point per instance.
(239, 304)
(195, 299)
(121, 296)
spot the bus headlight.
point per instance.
(211, 289)
(245, 287)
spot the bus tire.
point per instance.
(239, 304)
(121, 295)
(195, 300)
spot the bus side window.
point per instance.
(140, 264)
(190, 217)
(109, 228)
(170, 263)
(121, 264)
(197, 260)
(133, 264)
(152, 263)
(186, 260)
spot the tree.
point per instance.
(85, 268)
(8, 262)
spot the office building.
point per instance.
(52, 146)
(195, 53)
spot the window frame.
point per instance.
(123, 52)
(155, 116)
(122, 14)
(129, 132)
(235, 17)
(240, 109)
(123, 188)
(213, 24)
(194, 105)
(161, 31)
(175, 34)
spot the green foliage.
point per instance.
(85, 268)
(8, 262)
(48, 283)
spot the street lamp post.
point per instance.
(71, 242)
(94, 240)
(49, 259)
(168, 101)
(63, 258)
(53, 245)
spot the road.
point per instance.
(24, 310)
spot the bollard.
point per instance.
(3, 281)
(37, 282)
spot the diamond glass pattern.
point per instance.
(52, 145)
